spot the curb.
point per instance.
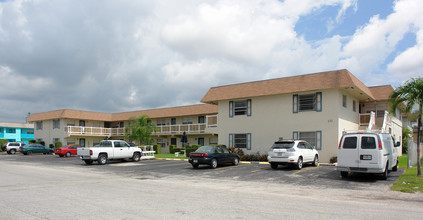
(246, 162)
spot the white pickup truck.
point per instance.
(109, 150)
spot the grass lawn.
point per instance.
(172, 156)
(408, 181)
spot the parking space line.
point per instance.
(228, 167)
(267, 168)
(307, 169)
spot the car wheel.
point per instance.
(299, 163)
(136, 157)
(13, 151)
(385, 173)
(88, 162)
(236, 161)
(60, 155)
(274, 165)
(195, 165)
(102, 159)
(316, 161)
(213, 164)
(68, 154)
(344, 174)
(395, 168)
(29, 152)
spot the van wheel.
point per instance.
(395, 168)
(299, 163)
(274, 166)
(385, 174)
(344, 174)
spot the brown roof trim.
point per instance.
(381, 93)
(309, 82)
(201, 109)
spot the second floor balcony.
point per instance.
(210, 123)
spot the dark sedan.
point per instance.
(213, 156)
(35, 148)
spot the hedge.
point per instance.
(157, 148)
(58, 144)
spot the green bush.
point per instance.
(2, 141)
(157, 148)
(58, 144)
(51, 146)
(32, 142)
(172, 149)
(41, 142)
(254, 157)
(333, 159)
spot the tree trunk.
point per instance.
(419, 125)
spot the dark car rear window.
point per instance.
(350, 143)
(206, 149)
(368, 143)
(283, 145)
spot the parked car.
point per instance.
(213, 156)
(292, 152)
(67, 151)
(367, 152)
(109, 150)
(35, 148)
(12, 147)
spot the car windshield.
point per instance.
(206, 149)
(283, 145)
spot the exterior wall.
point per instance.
(272, 117)
(192, 140)
(20, 134)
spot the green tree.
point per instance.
(410, 94)
(406, 133)
(140, 129)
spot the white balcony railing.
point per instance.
(94, 131)
(211, 121)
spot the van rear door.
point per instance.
(369, 155)
(348, 154)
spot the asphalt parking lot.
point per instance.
(320, 176)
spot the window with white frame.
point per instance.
(187, 120)
(161, 122)
(39, 125)
(213, 140)
(344, 101)
(56, 124)
(70, 141)
(354, 106)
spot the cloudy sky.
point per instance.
(126, 55)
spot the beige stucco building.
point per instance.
(316, 107)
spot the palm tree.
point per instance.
(140, 129)
(410, 94)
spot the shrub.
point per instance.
(51, 146)
(238, 151)
(254, 157)
(2, 142)
(32, 142)
(333, 159)
(58, 144)
(172, 149)
(157, 148)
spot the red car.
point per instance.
(67, 151)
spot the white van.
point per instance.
(367, 152)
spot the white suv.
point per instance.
(12, 147)
(293, 152)
(367, 152)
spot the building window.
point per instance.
(39, 125)
(307, 102)
(187, 120)
(201, 141)
(354, 106)
(201, 120)
(161, 122)
(11, 130)
(55, 140)
(241, 107)
(344, 101)
(30, 131)
(213, 140)
(312, 137)
(240, 140)
(56, 124)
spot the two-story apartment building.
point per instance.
(16, 132)
(89, 128)
(316, 107)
